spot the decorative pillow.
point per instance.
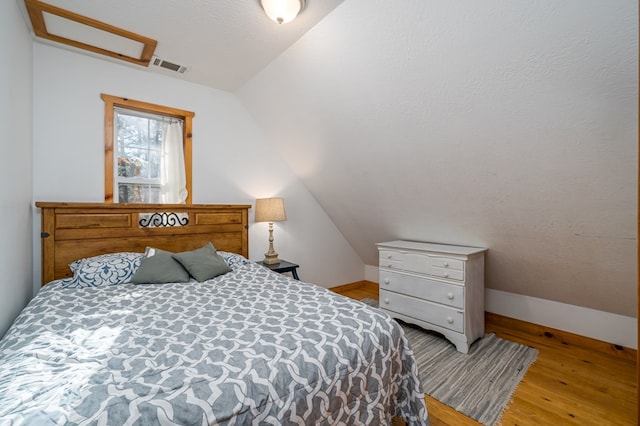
(74, 265)
(233, 260)
(203, 263)
(159, 266)
(105, 269)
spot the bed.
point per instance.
(245, 346)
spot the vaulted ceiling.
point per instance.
(222, 42)
(508, 125)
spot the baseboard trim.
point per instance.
(599, 325)
(371, 273)
(497, 322)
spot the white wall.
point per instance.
(511, 125)
(15, 163)
(232, 161)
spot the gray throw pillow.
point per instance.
(159, 266)
(203, 263)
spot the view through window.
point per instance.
(140, 155)
(147, 152)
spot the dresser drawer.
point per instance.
(423, 288)
(422, 263)
(412, 262)
(391, 264)
(390, 255)
(451, 274)
(391, 259)
(443, 316)
(447, 263)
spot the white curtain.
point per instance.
(173, 180)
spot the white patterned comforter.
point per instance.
(249, 347)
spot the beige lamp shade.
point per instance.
(270, 210)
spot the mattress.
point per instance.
(248, 347)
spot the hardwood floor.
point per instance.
(574, 381)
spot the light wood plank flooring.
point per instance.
(574, 381)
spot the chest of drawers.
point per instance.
(438, 287)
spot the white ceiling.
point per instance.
(223, 42)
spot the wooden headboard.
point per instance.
(72, 231)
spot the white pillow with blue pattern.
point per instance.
(106, 269)
(233, 260)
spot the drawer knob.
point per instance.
(450, 296)
(450, 320)
(446, 264)
(386, 280)
(388, 256)
(390, 266)
(446, 274)
(386, 301)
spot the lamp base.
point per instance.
(271, 259)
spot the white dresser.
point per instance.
(438, 287)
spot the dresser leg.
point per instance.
(462, 347)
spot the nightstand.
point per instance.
(282, 267)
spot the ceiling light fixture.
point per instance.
(282, 11)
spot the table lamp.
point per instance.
(270, 210)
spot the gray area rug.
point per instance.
(479, 384)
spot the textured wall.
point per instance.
(232, 163)
(15, 164)
(509, 125)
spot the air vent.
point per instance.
(169, 66)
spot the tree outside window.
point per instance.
(140, 165)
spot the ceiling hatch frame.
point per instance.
(36, 10)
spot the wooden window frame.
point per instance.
(114, 101)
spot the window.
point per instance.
(136, 160)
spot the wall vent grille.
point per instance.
(157, 62)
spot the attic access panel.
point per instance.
(62, 26)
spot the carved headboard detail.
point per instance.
(72, 231)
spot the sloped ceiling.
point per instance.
(507, 125)
(222, 42)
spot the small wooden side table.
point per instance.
(282, 267)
